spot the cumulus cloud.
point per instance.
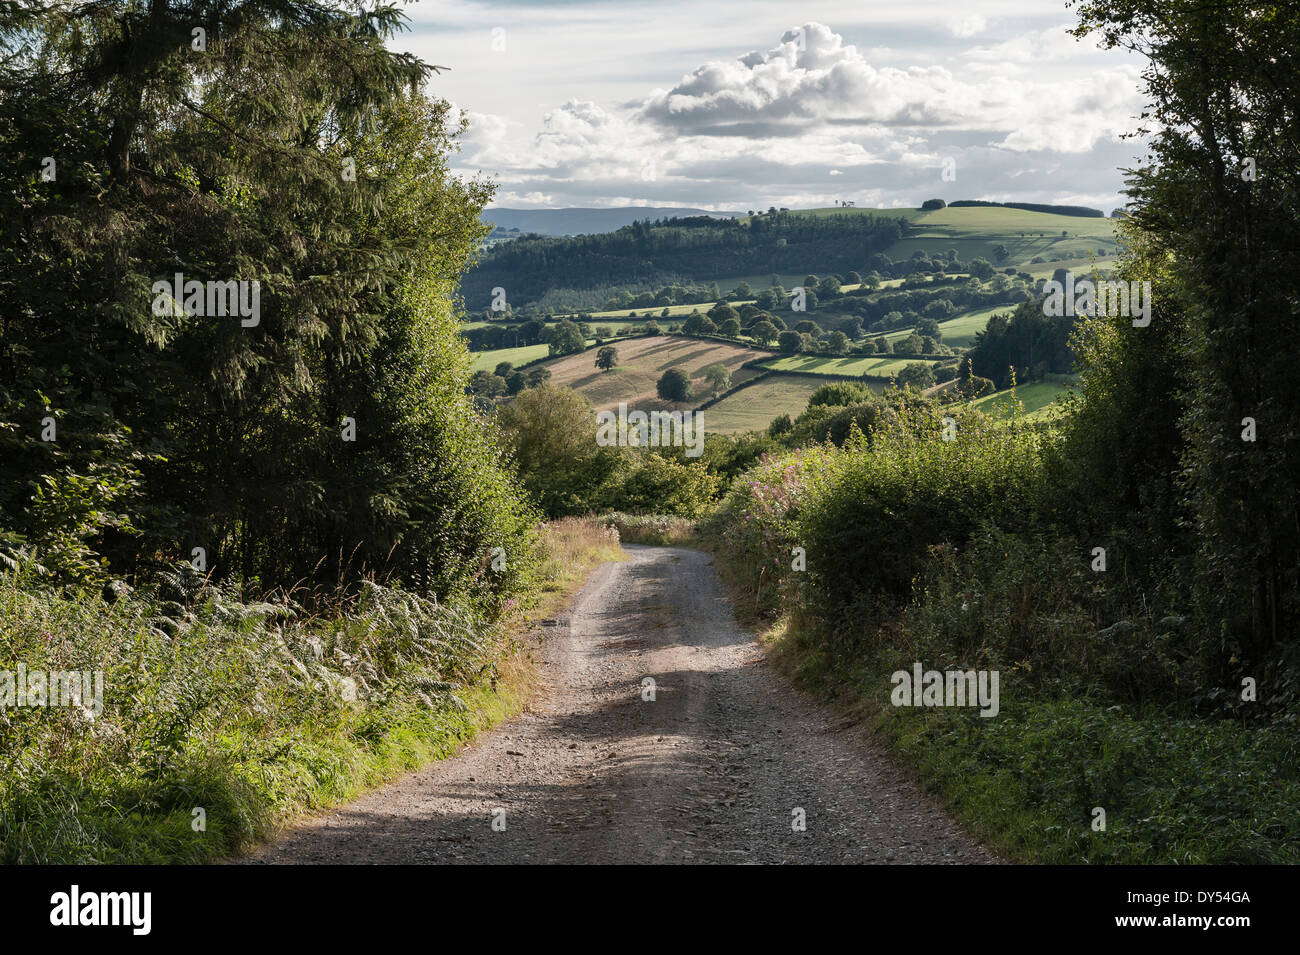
(813, 103)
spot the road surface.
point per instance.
(720, 766)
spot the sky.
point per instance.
(732, 105)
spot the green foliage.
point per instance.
(917, 374)
(607, 358)
(251, 711)
(674, 385)
(649, 255)
(550, 434)
(718, 376)
(565, 338)
(187, 430)
(869, 521)
(657, 484)
(839, 394)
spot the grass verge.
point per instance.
(221, 722)
(1175, 789)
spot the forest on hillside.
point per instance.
(654, 254)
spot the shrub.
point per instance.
(839, 394)
(674, 385)
(870, 519)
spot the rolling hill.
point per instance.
(562, 222)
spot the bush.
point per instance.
(253, 711)
(657, 484)
(839, 394)
(789, 342)
(870, 520)
(674, 385)
(917, 374)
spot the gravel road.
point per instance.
(711, 770)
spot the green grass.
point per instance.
(958, 331)
(975, 231)
(753, 408)
(1175, 789)
(243, 710)
(898, 213)
(856, 365)
(1035, 397)
(488, 360)
(675, 312)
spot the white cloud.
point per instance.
(969, 25)
(765, 127)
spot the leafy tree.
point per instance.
(697, 324)
(938, 308)
(928, 327)
(487, 385)
(763, 332)
(549, 434)
(780, 426)
(789, 342)
(296, 152)
(566, 338)
(674, 385)
(1215, 214)
(839, 394)
(837, 343)
(607, 358)
(917, 374)
(719, 377)
(723, 312)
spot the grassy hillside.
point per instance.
(754, 407)
(976, 231)
(641, 363)
(878, 367)
(487, 360)
(1034, 396)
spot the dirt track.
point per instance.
(710, 771)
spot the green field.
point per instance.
(958, 332)
(1080, 267)
(674, 311)
(899, 213)
(975, 231)
(855, 365)
(754, 408)
(487, 360)
(1035, 396)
